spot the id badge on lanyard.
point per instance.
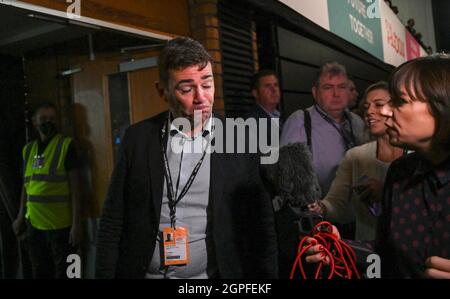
(38, 161)
(175, 241)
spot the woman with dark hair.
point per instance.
(413, 236)
(356, 192)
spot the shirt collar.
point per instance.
(275, 113)
(321, 111)
(207, 129)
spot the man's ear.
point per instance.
(314, 92)
(255, 94)
(160, 89)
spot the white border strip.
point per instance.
(95, 22)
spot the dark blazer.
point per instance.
(257, 111)
(240, 231)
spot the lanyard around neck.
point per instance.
(172, 194)
(349, 140)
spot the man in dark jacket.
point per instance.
(266, 91)
(168, 181)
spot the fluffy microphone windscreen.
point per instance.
(297, 179)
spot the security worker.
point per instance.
(51, 195)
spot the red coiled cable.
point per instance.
(342, 258)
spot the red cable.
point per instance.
(342, 258)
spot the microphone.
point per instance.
(299, 185)
(293, 178)
(293, 185)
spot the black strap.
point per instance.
(352, 133)
(307, 123)
(349, 141)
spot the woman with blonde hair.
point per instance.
(356, 192)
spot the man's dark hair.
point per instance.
(44, 105)
(261, 74)
(426, 79)
(180, 53)
(330, 68)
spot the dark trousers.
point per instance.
(48, 250)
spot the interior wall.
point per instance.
(166, 16)
(92, 128)
(145, 101)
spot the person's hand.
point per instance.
(75, 235)
(371, 191)
(438, 268)
(19, 226)
(316, 207)
(316, 254)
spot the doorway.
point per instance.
(47, 59)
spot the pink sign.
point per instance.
(412, 47)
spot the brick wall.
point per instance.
(204, 25)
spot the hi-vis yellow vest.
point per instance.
(47, 187)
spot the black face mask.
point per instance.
(48, 129)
